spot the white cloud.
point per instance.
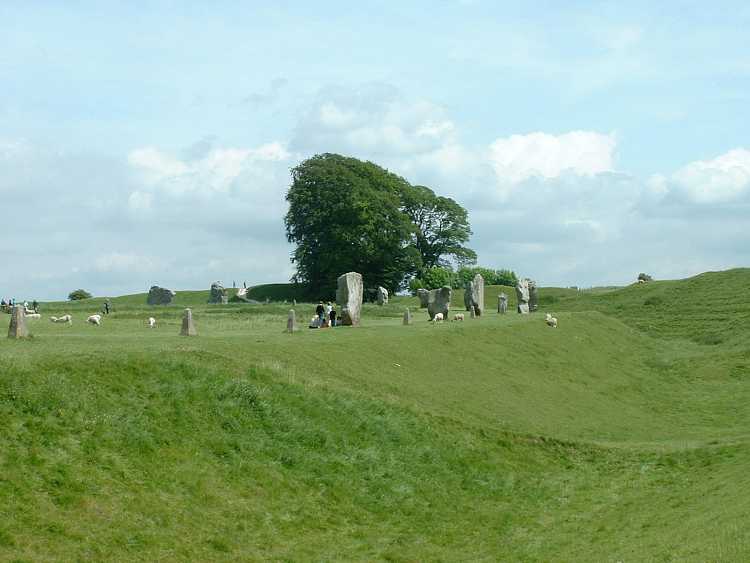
(374, 120)
(519, 157)
(723, 179)
(126, 262)
(215, 171)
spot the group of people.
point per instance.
(325, 316)
(8, 304)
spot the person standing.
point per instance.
(320, 311)
(331, 315)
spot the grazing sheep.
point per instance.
(64, 319)
(458, 317)
(151, 322)
(33, 316)
(95, 320)
(551, 321)
(438, 318)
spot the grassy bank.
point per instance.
(622, 435)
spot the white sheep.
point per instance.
(438, 318)
(151, 322)
(95, 320)
(458, 317)
(550, 320)
(64, 319)
(33, 316)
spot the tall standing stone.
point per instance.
(533, 297)
(474, 295)
(502, 303)
(424, 298)
(17, 328)
(217, 295)
(291, 322)
(439, 302)
(382, 296)
(349, 298)
(188, 327)
(522, 294)
(407, 316)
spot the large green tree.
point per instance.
(441, 227)
(345, 215)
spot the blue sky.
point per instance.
(150, 142)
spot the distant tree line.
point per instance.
(350, 215)
(439, 276)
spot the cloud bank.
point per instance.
(550, 205)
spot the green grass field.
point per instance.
(624, 435)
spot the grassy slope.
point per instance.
(613, 438)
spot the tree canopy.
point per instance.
(349, 215)
(345, 215)
(441, 227)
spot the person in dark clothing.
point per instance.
(332, 316)
(35, 306)
(320, 311)
(106, 307)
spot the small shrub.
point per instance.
(654, 301)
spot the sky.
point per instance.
(150, 143)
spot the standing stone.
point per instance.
(291, 322)
(159, 295)
(522, 294)
(475, 289)
(294, 302)
(502, 303)
(217, 294)
(407, 316)
(473, 314)
(533, 297)
(382, 296)
(439, 302)
(467, 295)
(349, 298)
(188, 327)
(17, 328)
(424, 298)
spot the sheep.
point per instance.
(64, 319)
(95, 320)
(458, 317)
(551, 321)
(33, 316)
(151, 322)
(438, 318)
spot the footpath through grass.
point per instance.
(621, 436)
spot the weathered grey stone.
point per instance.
(439, 302)
(533, 297)
(473, 313)
(382, 296)
(17, 327)
(291, 322)
(407, 316)
(159, 295)
(188, 326)
(474, 295)
(522, 294)
(424, 298)
(218, 294)
(349, 298)
(502, 303)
